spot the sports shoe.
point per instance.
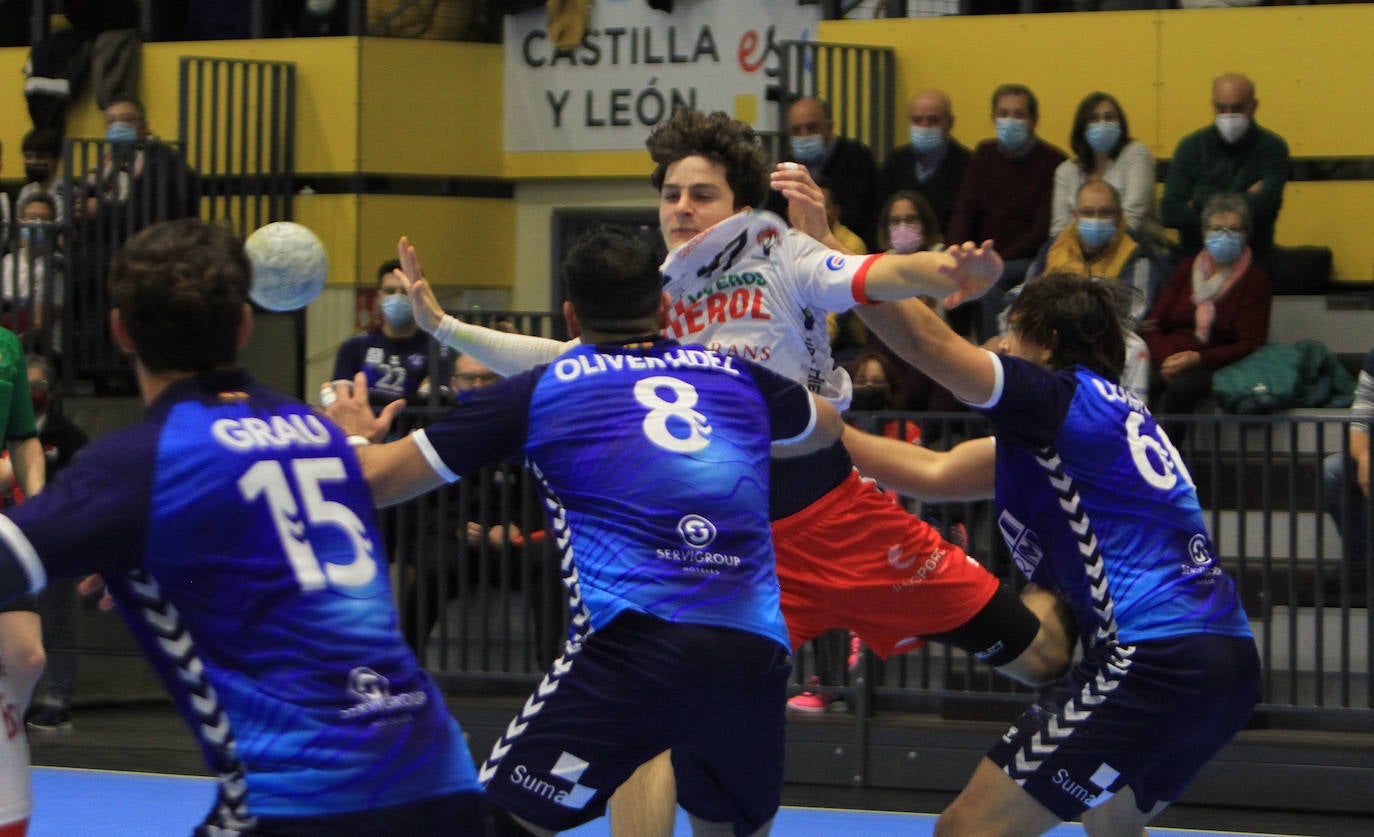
(814, 700)
(856, 650)
(49, 719)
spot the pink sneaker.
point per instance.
(813, 701)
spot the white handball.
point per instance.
(289, 265)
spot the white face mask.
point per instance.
(1232, 126)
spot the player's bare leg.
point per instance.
(21, 663)
(1049, 655)
(705, 828)
(992, 805)
(1119, 816)
(646, 804)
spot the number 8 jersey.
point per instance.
(234, 529)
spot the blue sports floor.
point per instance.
(96, 803)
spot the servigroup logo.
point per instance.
(696, 531)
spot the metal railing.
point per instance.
(1259, 481)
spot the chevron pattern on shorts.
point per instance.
(211, 723)
(1072, 715)
(581, 629)
(1077, 516)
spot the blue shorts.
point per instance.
(1146, 716)
(639, 686)
(455, 815)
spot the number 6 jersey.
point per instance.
(234, 529)
(1095, 503)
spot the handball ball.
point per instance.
(289, 266)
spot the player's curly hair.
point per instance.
(180, 287)
(1078, 318)
(719, 138)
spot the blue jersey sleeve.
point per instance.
(497, 414)
(791, 411)
(1032, 403)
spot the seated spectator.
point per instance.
(31, 280)
(1104, 150)
(396, 354)
(1231, 155)
(1098, 243)
(1213, 312)
(851, 240)
(42, 163)
(1005, 196)
(933, 163)
(1345, 498)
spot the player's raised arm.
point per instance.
(919, 337)
(502, 352)
(959, 274)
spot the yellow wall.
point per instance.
(1310, 73)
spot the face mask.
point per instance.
(1232, 126)
(35, 172)
(396, 310)
(808, 149)
(1225, 247)
(869, 397)
(906, 238)
(121, 133)
(1012, 133)
(926, 140)
(33, 235)
(320, 7)
(1102, 136)
(1095, 232)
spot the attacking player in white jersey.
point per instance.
(745, 284)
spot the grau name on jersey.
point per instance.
(273, 433)
(572, 368)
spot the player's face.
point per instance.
(694, 198)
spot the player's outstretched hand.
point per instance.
(805, 200)
(352, 412)
(975, 269)
(428, 311)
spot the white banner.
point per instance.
(635, 64)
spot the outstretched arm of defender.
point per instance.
(965, 472)
(917, 334)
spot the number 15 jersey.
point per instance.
(235, 530)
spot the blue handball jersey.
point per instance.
(1095, 502)
(653, 459)
(236, 532)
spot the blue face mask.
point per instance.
(808, 149)
(1012, 133)
(397, 311)
(1225, 247)
(1102, 136)
(121, 133)
(1095, 232)
(33, 235)
(926, 140)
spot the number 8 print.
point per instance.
(660, 411)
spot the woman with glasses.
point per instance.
(1213, 312)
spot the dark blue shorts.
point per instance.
(1146, 716)
(455, 815)
(637, 687)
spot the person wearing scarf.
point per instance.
(1213, 312)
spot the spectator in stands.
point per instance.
(1213, 312)
(31, 279)
(1234, 154)
(42, 149)
(933, 164)
(141, 180)
(1104, 150)
(1347, 499)
(1098, 243)
(1005, 196)
(61, 439)
(395, 355)
(851, 240)
(845, 165)
(4, 210)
